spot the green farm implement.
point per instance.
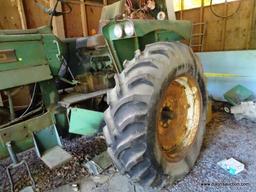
(149, 85)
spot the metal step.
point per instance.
(78, 97)
(27, 189)
(49, 148)
(55, 157)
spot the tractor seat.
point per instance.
(91, 42)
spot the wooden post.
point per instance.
(57, 22)
(22, 14)
(170, 9)
(84, 18)
(202, 25)
(251, 37)
(224, 27)
(181, 9)
(201, 15)
(105, 2)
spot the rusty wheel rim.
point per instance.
(178, 117)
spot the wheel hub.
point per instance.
(178, 117)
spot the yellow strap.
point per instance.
(221, 75)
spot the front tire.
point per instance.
(157, 114)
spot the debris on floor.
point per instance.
(46, 179)
(231, 165)
(98, 164)
(27, 189)
(75, 187)
(93, 168)
(238, 94)
(224, 137)
(246, 110)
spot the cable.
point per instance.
(30, 104)
(53, 12)
(227, 16)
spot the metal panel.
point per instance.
(226, 69)
(46, 139)
(21, 133)
(85, 122)
(14, 78)
(7, 56)
(143, 27)
(28, 53)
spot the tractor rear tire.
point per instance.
(157, 114)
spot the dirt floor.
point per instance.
(46, 179)
(225, 138)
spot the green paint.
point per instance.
(49, 93)
(46, 139)
(39, 55)
(21, 133)
(146, 32)
(24, 76)
(238, 94)
(85, 122)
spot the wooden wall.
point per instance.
(35, 17)
(82, 21)
(9, 15)
(233, 33)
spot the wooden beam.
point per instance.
(93, 3)
(202, 26)
(57, 22)
(84, 18)
(181, 9)
(105, 2)
(251, 37)
(22, 14)
(223, 38)
(170, 9)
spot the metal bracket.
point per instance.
(58, 55)
(16, 164)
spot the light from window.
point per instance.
(190, 4)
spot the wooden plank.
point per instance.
(238, 26)
(94, 13)
(73, 21)
(202, 27)
(213, 36)
(236, 34)
(35, 17)
(223, 37)
(170, 9)
(84, 18)
(9, 17)
(111, 1)
(194, 16)
(181, 9)
(22, 14)
(252, 39)
(57, 22)
(97, 4)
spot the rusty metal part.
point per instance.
(91, 42)
(91, 82)
(178, 117)
(7, 56)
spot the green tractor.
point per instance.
(156, 96)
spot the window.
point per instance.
(190, 4)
